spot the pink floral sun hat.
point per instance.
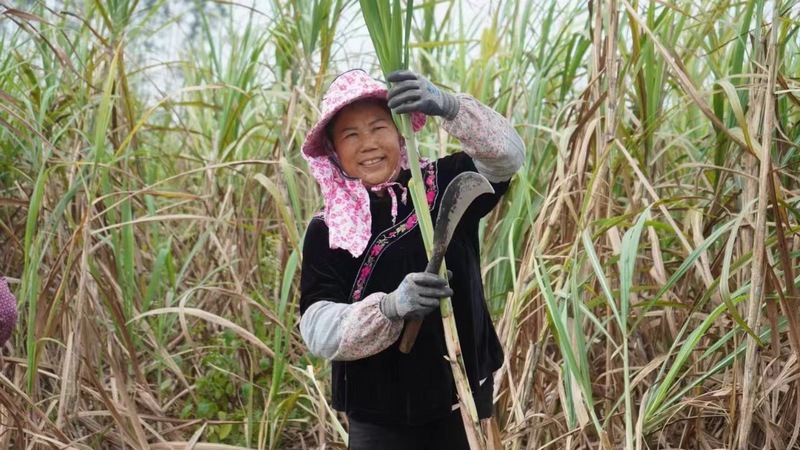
(347, 213)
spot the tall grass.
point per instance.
(642, 269)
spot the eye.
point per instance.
(349, 135)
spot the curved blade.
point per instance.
(457, 197)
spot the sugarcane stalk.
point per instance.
(386, 30)
(454, 356)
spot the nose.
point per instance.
(370, 142)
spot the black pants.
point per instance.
(446, 433)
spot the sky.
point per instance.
(353, 48)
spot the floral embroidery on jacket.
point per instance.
(387, 237)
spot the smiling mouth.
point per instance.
(372, 162)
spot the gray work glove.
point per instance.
(414, 93)
(417, 295)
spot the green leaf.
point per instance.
(206, 409)
(225, 430)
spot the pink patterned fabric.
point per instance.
(392, 194)
(8, 312)
(481, 130)
(365, 331)
(347, 213)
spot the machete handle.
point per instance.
(410, 335)
(413, 325)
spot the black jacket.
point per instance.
(392, 387)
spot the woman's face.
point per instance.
(367, 142)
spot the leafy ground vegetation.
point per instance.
(641, 271)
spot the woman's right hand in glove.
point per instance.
(418, 294)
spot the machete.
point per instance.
(457, 197)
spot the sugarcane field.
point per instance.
(399, 224)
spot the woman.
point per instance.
(364, 260)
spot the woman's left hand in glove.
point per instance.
(414, 93)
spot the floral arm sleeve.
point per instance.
(488, 138)
(331, 326)
(345, 332)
